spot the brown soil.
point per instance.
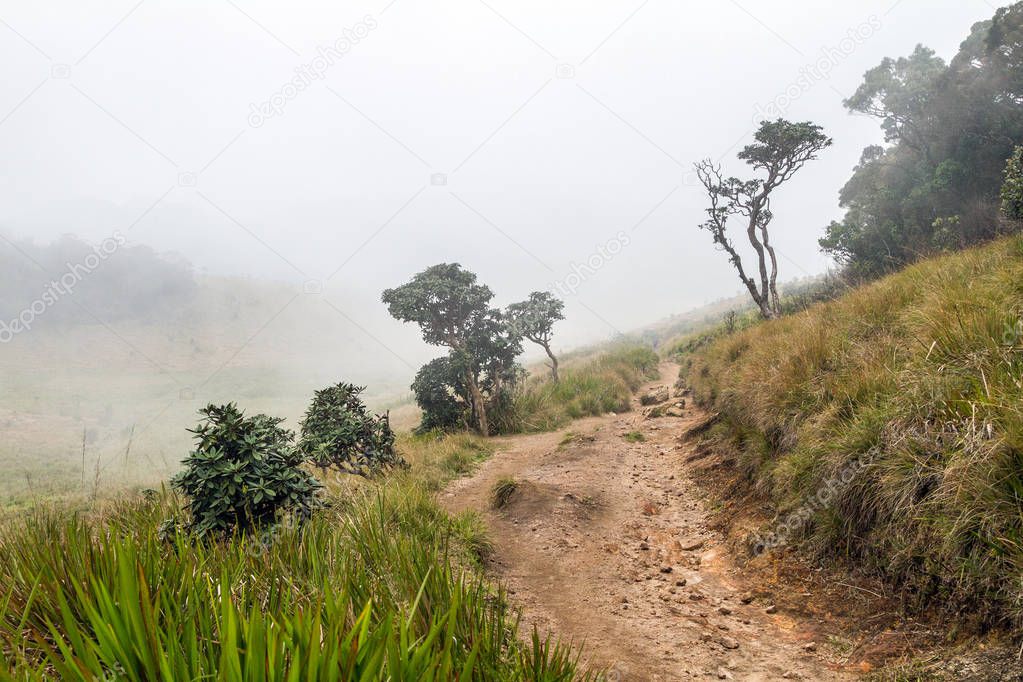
(610, 544)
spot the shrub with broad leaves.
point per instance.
(339, 432)
(243, 474)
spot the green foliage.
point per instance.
(445, 301)
(441, 394)
(338, 431)
(593, 387)
(244, 473)
(1012, 189)
(534, 319)
(380, 585)
(490, 361)
(634, 437)
(912, 384)
(950, 128)
(453, 311)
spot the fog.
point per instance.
(541, 145)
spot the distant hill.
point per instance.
(96, 344)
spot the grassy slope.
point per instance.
(382, 584)
(919, 377)
(597, 386)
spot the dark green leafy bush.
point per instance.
(243, 474)
(1012, 190)
(438, 389)
(338, 431)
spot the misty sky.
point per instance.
(519, 138)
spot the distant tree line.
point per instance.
(950, 129)
(79, 282)
(949, 176)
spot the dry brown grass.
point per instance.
(922, 373)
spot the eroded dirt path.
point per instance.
(607, 543)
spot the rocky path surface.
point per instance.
(606, 543)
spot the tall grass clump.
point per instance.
(379, 585)
(915, 385)
(436, 457)
(587, 388)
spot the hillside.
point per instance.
(120, 362)
(886, 427)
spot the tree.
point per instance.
(339, 431)
(1012, 190)
(949, 129)
(780, 150)
(534, 319)
(491, 359)
(453, 310)
(901, 93)
(243, 473)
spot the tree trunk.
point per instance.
(554, 362)
(478, 405)
(775, 299)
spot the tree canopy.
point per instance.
(534, 318)
(949, 129)
(453, 310)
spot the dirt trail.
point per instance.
(607, 543)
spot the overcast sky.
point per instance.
(522, 139)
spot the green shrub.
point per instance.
(338, 431)
(438, 389)
(244, 473)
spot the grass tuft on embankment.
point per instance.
(891, 421)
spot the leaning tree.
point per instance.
(534, 319)
(453, 310)
(781, 149)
